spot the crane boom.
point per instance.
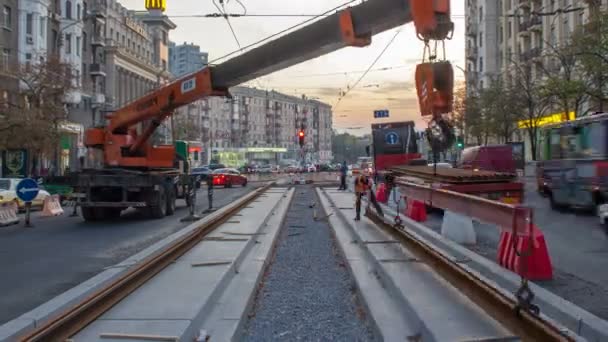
(350, 27)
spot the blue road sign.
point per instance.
(391, 138)
(383, 113)
(27, 189)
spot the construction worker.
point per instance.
(362, 185)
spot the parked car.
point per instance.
(228, 177)
(216, 166)
(292, 169)
(201, 173)
(311, 168)
(264, 169)
(8, 193)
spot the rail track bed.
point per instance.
(207, 282)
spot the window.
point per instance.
(78, 11)
(84, 42)
(480, 39)
(84, 9)
(509, 29)
(55, 39)
(7, 19)
(165, 37)
(42, 26)
(78, 46)
(68, 9)
(29, 23)
(481, 14)
(58, 6)
(6, 54)
(68, 43)
(501, 34)
(480, 64)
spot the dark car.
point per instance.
(201, 173)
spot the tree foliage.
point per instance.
(33, 120)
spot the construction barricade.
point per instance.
(52, 206)
(381, 195)
(416, 210)
(8, 213)
(522, 248)
(525, 253)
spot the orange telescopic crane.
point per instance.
(119, 150)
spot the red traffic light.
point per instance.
(301, 134)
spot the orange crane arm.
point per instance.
(351, 27)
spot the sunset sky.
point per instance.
(325, 76)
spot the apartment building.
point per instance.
(186, 58)
(9, 49)
(260, 126)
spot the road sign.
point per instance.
(383, 113)
(27, 189)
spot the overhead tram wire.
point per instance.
(369, 68)
(283, 31)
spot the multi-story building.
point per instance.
(32, 29)
(9, 50)
(260, 126)
(186, 58)
(503, 36)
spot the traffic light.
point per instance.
(459, 142)
(301, 137)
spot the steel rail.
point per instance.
(503, 309)
(82, 314)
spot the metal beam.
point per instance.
(311, 41)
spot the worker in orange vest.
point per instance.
(362, 185)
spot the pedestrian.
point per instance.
(343, 172)
(361, 187)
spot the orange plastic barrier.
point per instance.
(381, 195)
(52, 206)
(531, 261)
(8, 214)
(416, 210)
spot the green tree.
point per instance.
(348, 147)
(497, 107)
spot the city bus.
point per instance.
(572, 168)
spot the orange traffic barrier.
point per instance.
(416, 210)
(527, 257)
(52, 206)
(381, 195)
(8, 214)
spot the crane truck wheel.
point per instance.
(158, 209)
(171, 197)
(89, 214)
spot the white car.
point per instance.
(8, 193)
(312, 168)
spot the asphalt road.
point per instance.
(39, 263)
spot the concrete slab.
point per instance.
(446, 315)
(458, 228)
(572, 320)
(224, 320)
(390, 321)
(182, 293)
(135, 327)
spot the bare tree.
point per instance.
(497, 103)
(33, 121)
(530, 104)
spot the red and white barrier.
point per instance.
(8, 214)
(52, 206)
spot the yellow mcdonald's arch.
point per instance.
(156, 4)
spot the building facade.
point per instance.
(9, 50)
(260, 127)
(186, 58)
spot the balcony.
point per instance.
(97, 69)
(536, 23)
(97, 41)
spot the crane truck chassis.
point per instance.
(124, 169)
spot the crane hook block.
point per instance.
(432, 19)
(347, 30)
(435, 87)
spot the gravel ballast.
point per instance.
(307, 292)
